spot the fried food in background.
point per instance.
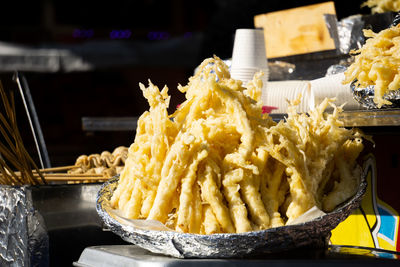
(381, 6)
(106, 163)
(218, 165)
(377, 63)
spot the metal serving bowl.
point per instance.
(313, 233)
(365, 96)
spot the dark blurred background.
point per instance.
(114, 46)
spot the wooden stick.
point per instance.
(9, 174)
(15, 154)
(70, 175)
(5, 101)
(10, 156)
(72, 178)
(56, 169)
(6, 131)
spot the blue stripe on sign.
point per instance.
(388, 223)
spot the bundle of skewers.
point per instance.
(18, 168)
(60, 174)
(16, 165)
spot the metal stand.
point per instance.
(33, 119)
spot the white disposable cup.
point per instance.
(247, 72)
(247, 76)
(249, 57)
(249, 49)
(279, 93)
(332, 87)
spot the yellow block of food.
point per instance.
(298, 30)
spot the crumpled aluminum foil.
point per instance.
(365, 96)
(335, 69)
(23, 237)
(350, 33)
(313, 233)
(350, 29)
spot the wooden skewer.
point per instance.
(56, 169)
(63, 174)
(70, 175)
(73, 178)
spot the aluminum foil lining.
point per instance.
(365, 96)
(335, 69)
(314, 233)
(350, 29)
(350, 33)
(23, 237)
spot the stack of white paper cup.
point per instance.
(248, 56)
(279, 93)
(331, 86)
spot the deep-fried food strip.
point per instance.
(125, 195)
(212, 195)
(196, 211)
(349, 176)
(151, 126)
(271, 193)
(327, 177)
(302, 199)
(132, 207)
(148, 203)
(210, 224)
(237, 208)
(284, 150)
(185, 218)
(277, 219)
(250, 193)
(174, 166)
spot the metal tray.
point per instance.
(313, 233)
